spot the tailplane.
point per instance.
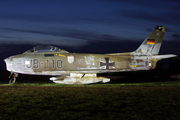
(149, 49)
(146, 56)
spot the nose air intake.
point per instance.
(14, 63)
(8, 64)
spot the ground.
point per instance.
(39, 98)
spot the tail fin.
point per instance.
(152, 43)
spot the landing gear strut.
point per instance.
(13, 77)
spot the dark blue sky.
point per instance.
(78, 25)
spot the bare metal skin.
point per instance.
(80, 68)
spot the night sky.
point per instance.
(86, 26)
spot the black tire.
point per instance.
(10, 81)
(14, 81)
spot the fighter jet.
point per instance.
(80, 68)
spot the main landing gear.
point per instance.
(13, 77)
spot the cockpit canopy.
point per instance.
(45, 48)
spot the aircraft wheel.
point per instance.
(14, 81)
(10, 81)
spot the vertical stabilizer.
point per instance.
(152, 43)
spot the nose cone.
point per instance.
(15, 63)
(7, 60)
(8, 63)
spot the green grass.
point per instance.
(157, 100)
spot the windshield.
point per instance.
(44, 48)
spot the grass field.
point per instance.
(150, 101)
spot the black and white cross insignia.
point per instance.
(108, 65)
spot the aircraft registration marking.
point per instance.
(27, 62)
(35, 63)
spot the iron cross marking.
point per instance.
(107, 63)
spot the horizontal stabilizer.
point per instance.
(159, 57)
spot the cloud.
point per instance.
(149, 30)
(172, 18)
(175, 16)
(53, 12)
(176, 7)
(141, 15)
(176, 37)
(73, 34)
(176, 1)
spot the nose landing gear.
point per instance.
(13, 77)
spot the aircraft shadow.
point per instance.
(121, 77)
(140, 77)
